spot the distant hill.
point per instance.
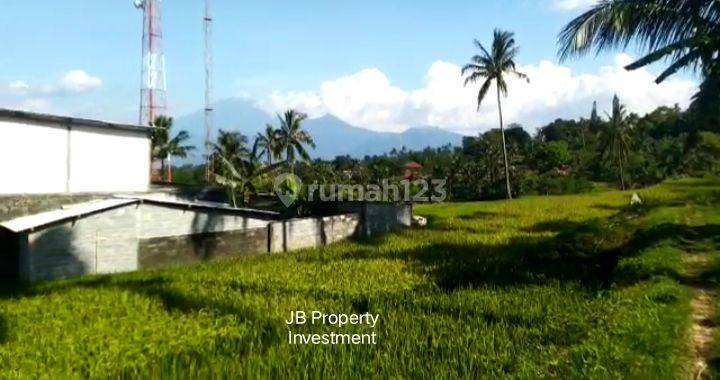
(333, 136)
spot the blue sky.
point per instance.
(276, 52)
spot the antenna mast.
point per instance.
(208, 21)
(153, 100)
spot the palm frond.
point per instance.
(483, 92)
(677, 65)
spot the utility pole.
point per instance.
(208, 22)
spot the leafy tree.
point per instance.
(492, 66)
(552, 155)
(615, 140)
(164, 147)
(705, 155)
(293, 138)
(269, 143)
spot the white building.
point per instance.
(75, 199)
(46, 154)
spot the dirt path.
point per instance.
(703, 314)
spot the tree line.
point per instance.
(619, 149)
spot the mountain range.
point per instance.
(332, 135)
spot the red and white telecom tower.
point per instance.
(153, 99)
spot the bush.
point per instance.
(557, 184)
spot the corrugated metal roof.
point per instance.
(167, 200)
(41, 118)
(32, 222)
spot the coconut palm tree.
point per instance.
(493, 66)
(684, 32)
(239, 174)
(164, 147)
(615, 138)
(231, 145)
(268, 143)
(292, 138)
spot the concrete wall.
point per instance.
(102, 243)
(175, 250)
(42, 158)
(114, 240)
(150, 235)
(378, 217)
(292, 234)
(34, 158)
(108, 161)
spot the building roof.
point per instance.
(173, 201)
(44, 119)
(32, 222)
(44, 219)
(413, 165)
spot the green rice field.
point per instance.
(559, 287)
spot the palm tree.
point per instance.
(614, 138)
(292, 138)
(230, 144)
(492, 66)
(164, 147)
(268, 143)
(684, 32)
(239, 174)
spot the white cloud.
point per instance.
(18, 87)
(22, 95)
(78, 81)
(369, 99)
(571, 5)
(73, 82)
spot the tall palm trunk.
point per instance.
(505, 157)
(622, 177)
(169, 169)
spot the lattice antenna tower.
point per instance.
(153, 88)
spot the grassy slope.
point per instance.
(526, 288)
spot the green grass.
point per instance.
(573, 286)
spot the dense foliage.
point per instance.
(565, 156)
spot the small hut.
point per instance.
(413, 171)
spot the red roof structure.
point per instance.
(413, 170)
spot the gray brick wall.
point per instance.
(101, 243)
(145, 235)
(109, 241)
(174, 250)
(157, 221)
(379, 217)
